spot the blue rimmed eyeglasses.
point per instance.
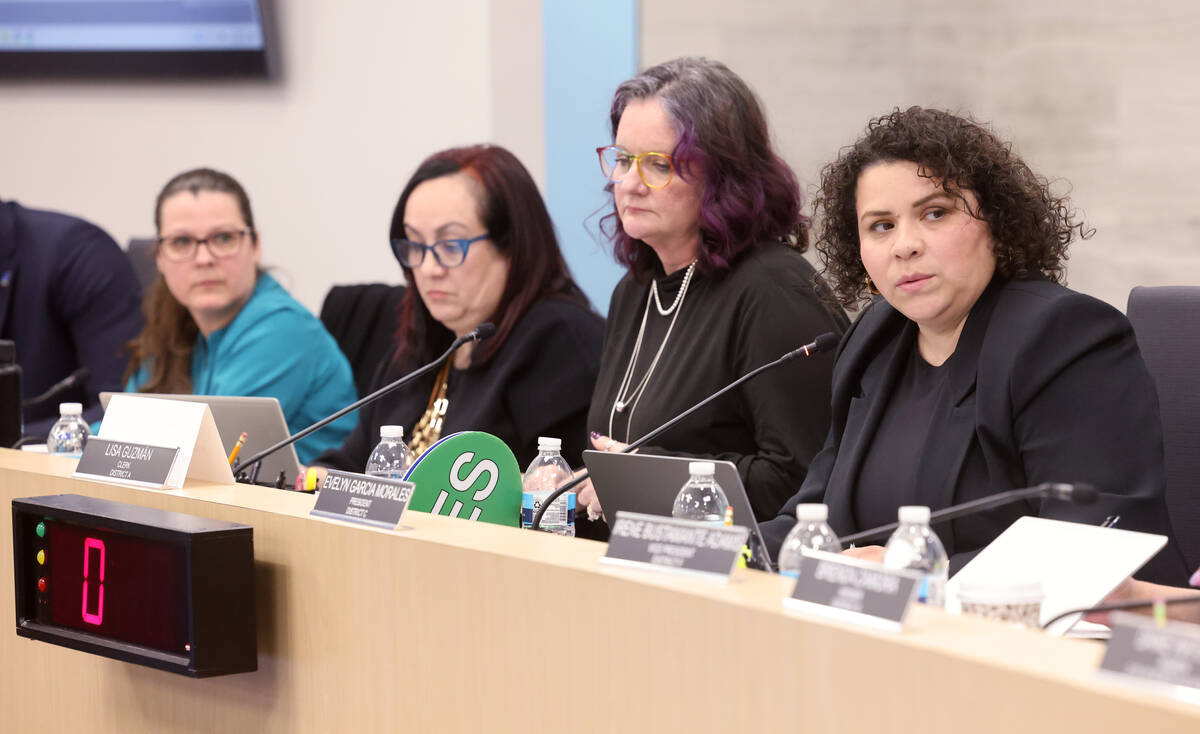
(448, 253)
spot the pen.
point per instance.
(1110, 521)
(236, 448)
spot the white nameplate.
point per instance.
(141, 419)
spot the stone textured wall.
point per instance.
(1103, 97)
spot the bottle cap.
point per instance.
(8, 352)
(70, 408)
(812, 512)
(391, 431)
(546, 443)
(915, 514)
(702, 468)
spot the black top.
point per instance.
(68, 298)
(1045, 385)
(537, 384)
(771, 426)
(888, 478)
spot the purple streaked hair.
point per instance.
(749, 194)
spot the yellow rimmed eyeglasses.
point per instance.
(655, 169)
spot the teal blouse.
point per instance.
(275, 348)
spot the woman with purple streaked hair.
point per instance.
(707, 220)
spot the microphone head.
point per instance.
(1080, 493)
(484, 331)
(1084, 494)
(824, 342)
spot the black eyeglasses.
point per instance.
(181, 247)
(448, 253)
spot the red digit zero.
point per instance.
(90, 544)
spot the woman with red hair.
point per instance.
(476, 244)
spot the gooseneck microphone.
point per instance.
(481, 332)
(1079, 493)
(822, 343)
(75, 379)
(1118, 606)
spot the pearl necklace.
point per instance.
(627, 398)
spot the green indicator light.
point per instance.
(41, 529)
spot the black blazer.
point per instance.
(69, 298)
(1046, 385)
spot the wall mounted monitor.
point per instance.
(137, 38)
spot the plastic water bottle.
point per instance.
(546, 473)
(391, 457)
(811, 531)
(701, 498)
(915, 546)
(70, 433)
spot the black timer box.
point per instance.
(163, 589)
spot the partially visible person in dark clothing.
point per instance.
(69, 298)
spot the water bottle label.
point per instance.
(529, 508)
(530, 505)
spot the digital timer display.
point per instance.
(164, 589)
(121, 587)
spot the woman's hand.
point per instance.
(604, 443)
(1127, 590)
(1131, 589)
(585, 493)
(872, 553)
(585, 496)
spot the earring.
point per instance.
(871, 287)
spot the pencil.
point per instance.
(236, 448)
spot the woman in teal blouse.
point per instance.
(216, 324)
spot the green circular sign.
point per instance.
(471, 475)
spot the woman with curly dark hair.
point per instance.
(972, 370)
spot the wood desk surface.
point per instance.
(430, 628)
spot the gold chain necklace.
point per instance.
(429, 428)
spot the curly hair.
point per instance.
(1030, 226)
(749, 194)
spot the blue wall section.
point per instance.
(590, 48)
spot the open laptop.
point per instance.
(648, 484)
(261, 419)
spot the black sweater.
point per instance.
(770, 427)
(537, 384)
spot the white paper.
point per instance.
(1077, 565)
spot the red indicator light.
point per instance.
(42, 584)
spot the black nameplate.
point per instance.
(667, 543)
(853, 589)
(356, 497)
(121, 461)
(1140, 649)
